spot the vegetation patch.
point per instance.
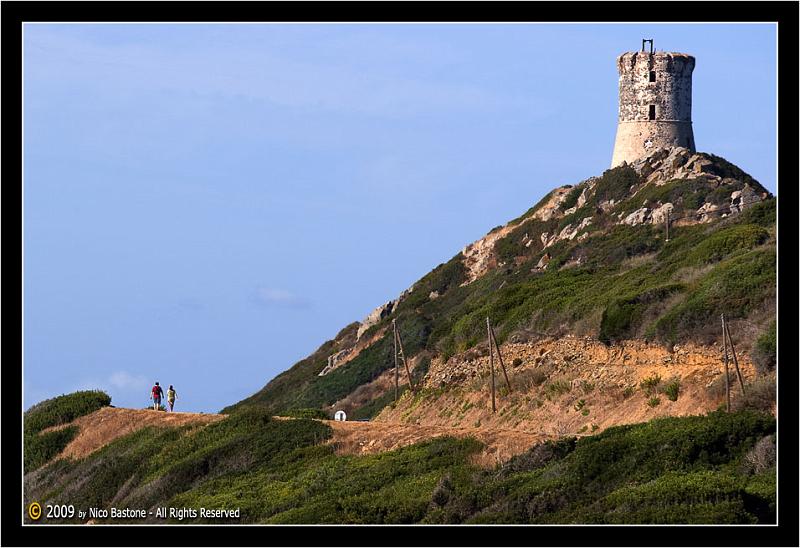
(39, 448)
(307, 413)
(764, 352)
(281, 471)
(735, 286)
(672, 389)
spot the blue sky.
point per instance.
(204, 205)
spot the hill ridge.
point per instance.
(590, 259)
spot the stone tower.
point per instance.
(655, 103)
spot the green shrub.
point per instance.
(671, 389)
(704, 497)
(650, 384)
(623, 315)
(557, 388)
(64, 409)
(42, 447)
(737, 285)
(764, 352)
(654, 401)
(307, 413)
(762, 214)
(615, 184)
(760, 394)
(725, 242)
(572, 197)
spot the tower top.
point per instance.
(629, 59)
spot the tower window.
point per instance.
(652, 113)
(652, 76)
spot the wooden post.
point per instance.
(491, 361)
(735, 359)
(725, 359)
(500, 358)
(396, 371)
(667, 222)
(405, 362)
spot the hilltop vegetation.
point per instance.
(41, 447)
(706, 469)
(605, 279)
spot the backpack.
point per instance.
(156, 390)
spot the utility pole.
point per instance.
(499, 355)
(735, 359)
(403, 357)
(396, 371)
(491, 361)
(725, 359)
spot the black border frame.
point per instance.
(786, 14)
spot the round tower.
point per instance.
(655, 103)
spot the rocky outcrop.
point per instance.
(550, 209)
(335, 360)
(638, 217)
(667, 164)
(741, 199)
(479, 256)
(586, 357)
(376, 316)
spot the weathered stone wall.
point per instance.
(670, 95)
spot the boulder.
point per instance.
(375, 316)
(638, 217)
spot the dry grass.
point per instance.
(689, 274)
(636, 261)
(109, 423)
(360, 438)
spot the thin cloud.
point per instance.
(125, 381)
(278, 298)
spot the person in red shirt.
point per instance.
(157, 394)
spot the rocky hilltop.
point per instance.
(604, 402)
(644, 255)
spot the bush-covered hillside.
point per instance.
(41, 447)
(718, 468)
(608, 279)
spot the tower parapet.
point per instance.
(655, 104)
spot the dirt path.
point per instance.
(366, 438)
(100, 428)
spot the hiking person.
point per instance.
(171, 395)
(157, 395)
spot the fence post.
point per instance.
(500, 358)
(735, 359)
(396, 371)
(725, 360)
(491, 361)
